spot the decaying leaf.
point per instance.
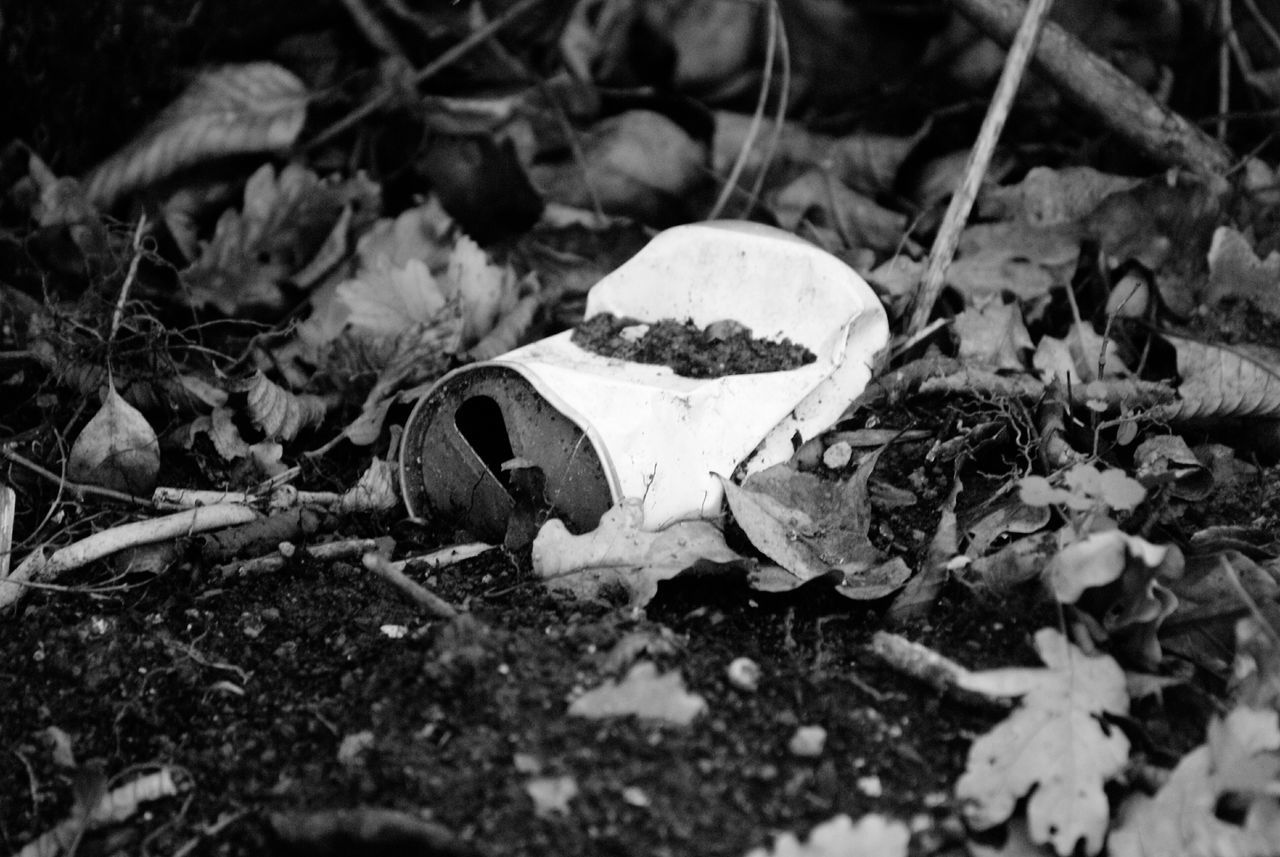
(811, 526)
(1055, 746)
(994, 336)
(638, 163)
(1165, 459)
(1235, 271)
(873, 836)
(867, 163)
(1014, 258)
(1240, 760)
(378, 488)
(1203, 627)
(284, 222)
(1120, 581)
(232, 110)
(1220, 381)
(819, 196)
(1255, 677)
(620, 553)
(116, 449)
(279, 413)
(1046, 196)
(644, 694)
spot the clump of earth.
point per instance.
(721, 348)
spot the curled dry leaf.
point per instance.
(284, 224)
(280, 414)
(619, 552)
(377, 489)
(1120, 580)
(117, 449)
(232, 110)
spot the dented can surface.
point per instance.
(601, 429)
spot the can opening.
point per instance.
(480, 422)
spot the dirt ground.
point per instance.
(295, 704)
(287, 691)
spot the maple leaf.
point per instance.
(1055, 746)
(1241, 757)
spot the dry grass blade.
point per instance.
(944, 246)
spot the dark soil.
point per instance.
(719, 349)
(252, 684)
(293, 691)
(258, 687)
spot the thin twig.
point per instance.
(446, 59)
(118, 316)
(780, 117)
(753, 130)
(944, 246)
(37, 566)
(1224, 71)
(415, 592)
(79, 489)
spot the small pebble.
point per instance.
(744, 674)
(635, 796)
(837, 455)
(808, 741)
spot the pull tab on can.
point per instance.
(601, 429)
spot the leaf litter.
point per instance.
(1104, 352)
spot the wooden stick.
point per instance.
(948, 238)
(37, 566)
(1115, 100)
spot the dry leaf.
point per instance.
(551, 795)
(873, 836)
(1118, 579)
(1016, 258)
(643, 693)
(818, 196)
(620, 553)
(812, 526)
(280, 414)
(1236, 272)
(864, 162)
(1182, 820)
(285, 222)
(1055, 746)
(232, 110)
(485, 290)
(116, 449)
(1047, 196)
(1220, 381)
(994, 336)
(638, 163)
